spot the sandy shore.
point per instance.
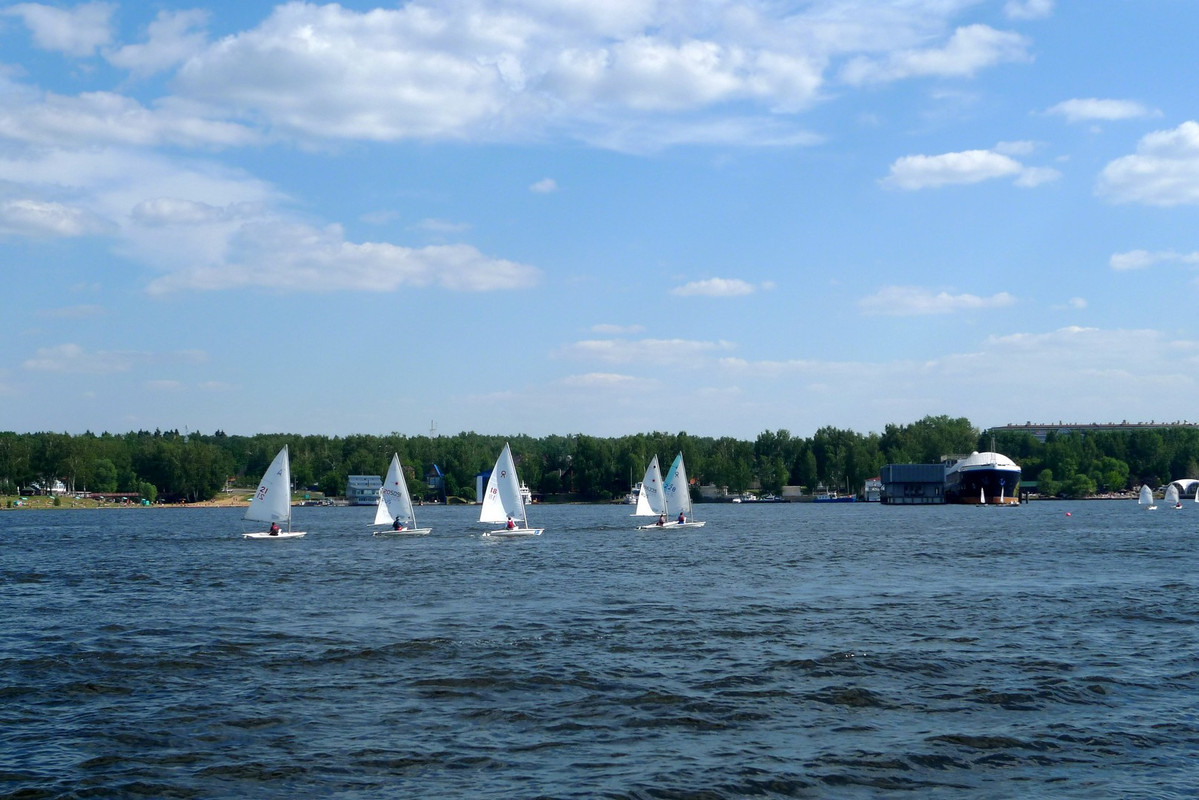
(235, 500)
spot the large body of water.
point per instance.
(805, 651)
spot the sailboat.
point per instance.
(1146, 498)
(1172, 496)
(677, 497)
(395, 504)
(272, 502)
(502, 500)
(651, 500)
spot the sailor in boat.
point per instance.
(274, 531)
(661, 519)
(682, 518)
(511, 523)
(397, 525)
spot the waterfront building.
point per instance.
(363, 490)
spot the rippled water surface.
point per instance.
(782, 651)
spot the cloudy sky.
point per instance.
(560, 216)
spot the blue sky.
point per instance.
(569, 216)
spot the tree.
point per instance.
(1079, 485)
(1046, 485)
(104, 475)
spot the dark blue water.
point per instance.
(782, 651)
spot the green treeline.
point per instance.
(172, 466)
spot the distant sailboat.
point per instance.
(1146, 498)
(1172, 496)
(272, 502)
(502, 500)
(651, 500)
(395, 504)
(678, 495)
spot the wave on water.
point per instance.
(786, 651)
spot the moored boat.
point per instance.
(991, 476)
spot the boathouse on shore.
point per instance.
(913, 484)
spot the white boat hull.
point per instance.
(514, 532)
(655, 526)
(405, 532)
(279, 535)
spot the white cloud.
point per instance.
(207, 227)
(96, 119)
(1163, 172)
(300, 258)
(1035, 176)
(970, 49)
(1021, 148)
(76, 31)
(70, 358)
(715, 287)
(38, 218)
(601, 380)
(966, 167)
(1143, 259)
(544, 186)
(1089, 109)
(1077, 302)
(73, 312)
(172, 211)
(1095, 374)
(915, 301)
(637, 76)
(1028, 9)
(650, 135)
(677, 352)
(617, 330)
(634, 75)
(442, 226)
(329, 72)
(172, 38)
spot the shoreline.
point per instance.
(38, 502)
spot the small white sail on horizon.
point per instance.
(1145, 498)
(502, 501)
(395, 504)
(1172, 496)
(272, 501)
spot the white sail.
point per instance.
(272, 501)
(650, 500)
(394, 500)
(1172, 495)
(678, 491)
(502, 498)
(1146, 497)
